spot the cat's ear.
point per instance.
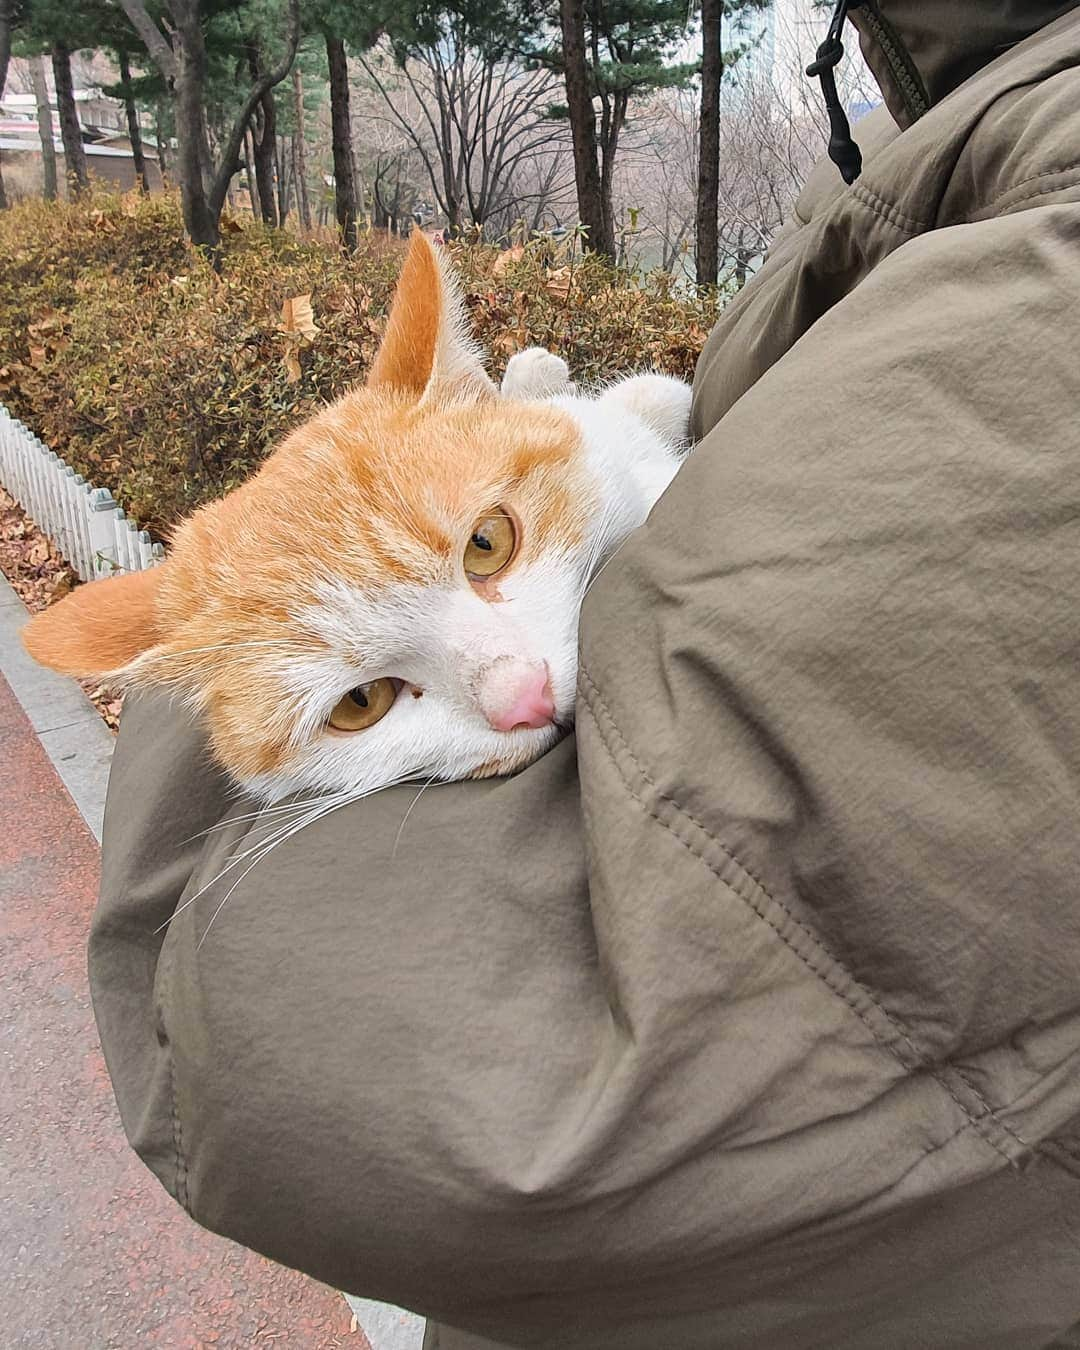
(428, 351)
(99, 628)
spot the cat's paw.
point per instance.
(661, 401)
(536, 373)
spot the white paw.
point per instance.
(661, 401)
(536, 373)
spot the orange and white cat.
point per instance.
(395, 594)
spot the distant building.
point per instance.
(754, 38)
(103, 122)
(777, 45)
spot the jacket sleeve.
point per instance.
(782, 946)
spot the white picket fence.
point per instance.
(85, 523)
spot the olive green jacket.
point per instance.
(751, 1016)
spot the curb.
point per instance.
(77, 741)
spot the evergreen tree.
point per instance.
(713, 62)
(613, 52)
(57, 28)
(182, 53)
(340, 24)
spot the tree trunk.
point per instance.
(707, 248)
(190, 52)
(134, 132)
(341, 131)
(583, 129)
(613, 122)
(159, 140)
(6, 15)
(264, 136)
(181, 58)
(303, 206)
(284, 185)
(70, 131)
(253, 187)
(45, 126)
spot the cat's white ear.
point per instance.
(428, 351)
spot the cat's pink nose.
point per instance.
(518, 698)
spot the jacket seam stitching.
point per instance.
(918, 1061)
(180, 1162)
(892, 215)
(178, 1138)
(1006, 200)
(1055, 1152)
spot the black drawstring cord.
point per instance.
(843, 151)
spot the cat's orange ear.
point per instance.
(428, 351)
(99, 628)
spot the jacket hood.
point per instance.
(921, 50)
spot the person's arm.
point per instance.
(783, 942)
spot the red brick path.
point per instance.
(92, 1252)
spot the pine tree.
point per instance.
(181, 51)
(57, 28)
(713, 62)
(622, 50)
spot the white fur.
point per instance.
(536, 373)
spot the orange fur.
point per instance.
(379, 489)
(97, 628)
(407, 354)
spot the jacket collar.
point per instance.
(921, 50)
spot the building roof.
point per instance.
(32, 146)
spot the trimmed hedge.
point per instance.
(168, 382)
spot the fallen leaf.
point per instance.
(292, 365)
(507, 258)
(61, 587)
(558, 282)
(297, 317)
(49, 322)
(37, 357)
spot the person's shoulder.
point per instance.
(824, 188)
(1023, 153)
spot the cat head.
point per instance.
(394, 595)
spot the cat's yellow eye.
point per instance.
(364, 706)
(491, 545)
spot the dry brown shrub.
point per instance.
(168, 382)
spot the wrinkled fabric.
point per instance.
(750, 1016)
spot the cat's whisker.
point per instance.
(279, 809)
(281, 832)
(408, 813)
(339, 800)
(591, 581)
(323, 807)
(294, 827)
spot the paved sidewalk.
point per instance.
(94, 1254)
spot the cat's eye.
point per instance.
(491, 545)
(364, 706)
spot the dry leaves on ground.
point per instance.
(39, 577)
